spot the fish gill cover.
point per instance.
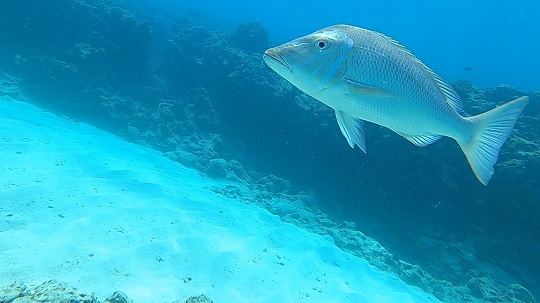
(196, 90)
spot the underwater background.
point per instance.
(494, 38)
(188, 80)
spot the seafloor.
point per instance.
(206, 100)
(94, 211)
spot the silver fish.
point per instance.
(366, 76)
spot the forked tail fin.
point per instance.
(490, 132)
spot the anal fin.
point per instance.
(421, 140)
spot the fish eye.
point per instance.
(321, 44)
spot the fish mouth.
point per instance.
(271, 57)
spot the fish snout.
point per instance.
(275, 60)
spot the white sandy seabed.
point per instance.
(84, 207)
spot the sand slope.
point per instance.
(84, 207)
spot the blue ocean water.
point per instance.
(187, 79)
(495, 38)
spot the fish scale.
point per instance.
(366, 76)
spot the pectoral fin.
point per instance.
(352, 129)
(366, 89)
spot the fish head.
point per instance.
(314, 62)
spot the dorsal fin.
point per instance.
(452, 97)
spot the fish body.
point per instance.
(366, 76)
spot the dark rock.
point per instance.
(533, 109)
(199, 299)
(9, 87)
(440, 291)
(117, 297)
(222, 169)
(217, 168)
(502, 94)
(251, 37)
(196, 57)
(238, 170)
(475, 101)
(91, 37)
(481, 287)
(274, 184)
(520, 293)
(50, 291)
(184, 158)
(11, 292)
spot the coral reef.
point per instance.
(199, 299)
(50, 291)
(75, 41)
(251, 37)
(58, 292)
